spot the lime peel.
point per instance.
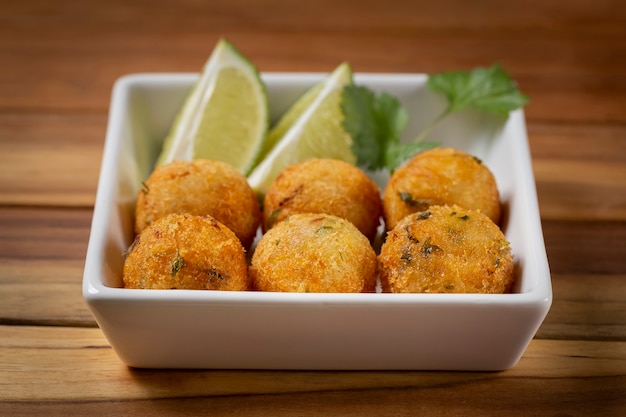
(316, 133)
(228, 104)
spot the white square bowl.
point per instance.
(255, 330)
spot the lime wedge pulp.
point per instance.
(225, 116)
(311, 128)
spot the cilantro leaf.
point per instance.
(360, 123)
(397, 153)
(488, 89)
(374, 123)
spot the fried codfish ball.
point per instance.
(201, 187)
(440, 176)
(325, 186)
(447, 249)
(314, 253)
(184, 251)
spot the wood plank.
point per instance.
(43, 233)
(577, 190)
(579, 170)
(510, 398)
(72, 370)
(601, 17)
(578, 142)
(585, 247)
(43, 252)
(586, 307)
(556, 97)
(41, 155)
(50, 159)
(57, 234)
(82, 60)
(60, 60)
(43, 292)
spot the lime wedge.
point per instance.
(225, 116)
(311, 128)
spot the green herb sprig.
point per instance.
(375, 122)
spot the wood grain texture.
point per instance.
(59, 62)
(564, 56)
(586, 307)
(579, 169)
(50, 159)
(42, 251)
(74, 369)
(585, 247)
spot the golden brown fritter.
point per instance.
(440, 176)
(446, 249)
(201, 187)
(314, 253)
(325, 186)
(184, 251)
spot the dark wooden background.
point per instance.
(58, 62)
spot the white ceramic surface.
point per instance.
(253, 330)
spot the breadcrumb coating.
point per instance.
(440, 176)
(446, 249)
(325, 186)
(184, 251)
(200, 187)
(314, 253)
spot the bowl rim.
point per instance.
(95, 290)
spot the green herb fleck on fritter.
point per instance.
(424, 215)
(406, 255)
(177, 265)
(410, 236)
(214, 273)
(323, 229)
(410, 201)
(272, 219)
(428, 248)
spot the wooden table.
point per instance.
(58, 62)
